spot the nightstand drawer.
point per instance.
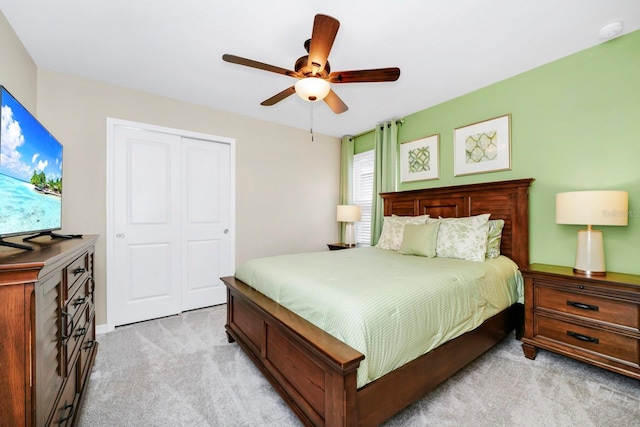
(606, 343)
(593, 307)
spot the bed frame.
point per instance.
(316, 374)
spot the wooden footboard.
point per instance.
(315, 373)
(312, 371)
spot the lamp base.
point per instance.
(589, 273)
(590, 253)
(349, 238)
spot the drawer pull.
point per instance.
(78, 270)
(88, 345)
(78, 301)
(583, 337)
(583, 306)
(64, 408)
(70, 316)
(81, 331)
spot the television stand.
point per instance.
(15, 245)
(53, 236)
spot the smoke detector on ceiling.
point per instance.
(611, 30)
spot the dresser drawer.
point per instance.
(606, 343)
(74, 307)
(593, 307)
(75, 274)
(87, 348)
(73, 341)
(66, 406)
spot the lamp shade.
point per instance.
(592, 208)
(312, 88)
(349, 213)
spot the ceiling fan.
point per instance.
(314, 72)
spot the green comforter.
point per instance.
(390, 307)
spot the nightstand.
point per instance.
(595, 319)
(338, 246)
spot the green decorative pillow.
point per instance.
(420, 239)
(463, 238)
(392, 229)
(494, 237)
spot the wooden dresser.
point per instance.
(47, 343)
(593, 319)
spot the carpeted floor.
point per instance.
(180, 371)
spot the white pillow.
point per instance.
(393, 228)
(463, 238)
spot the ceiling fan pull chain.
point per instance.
(311, 128)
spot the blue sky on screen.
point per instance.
(26, 145)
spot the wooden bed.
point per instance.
(316, 374)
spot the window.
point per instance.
(363, 193)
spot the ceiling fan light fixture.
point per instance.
(312, 89)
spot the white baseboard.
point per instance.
(103, 329)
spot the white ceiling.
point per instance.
(444, 48)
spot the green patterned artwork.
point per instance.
(419, 160)
(481, 147)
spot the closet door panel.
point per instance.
(147, 223)
(206, 237)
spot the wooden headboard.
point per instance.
(507, 200)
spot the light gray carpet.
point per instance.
(180, 371)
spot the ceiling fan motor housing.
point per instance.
(302, 67)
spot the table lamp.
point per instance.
(349, 214)
(591, 208)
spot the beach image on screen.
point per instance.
(30, 172)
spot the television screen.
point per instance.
(30, 172)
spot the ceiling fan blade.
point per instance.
(259, 65)
(324, 33)
(279, 96)
(361, 76)
(335, 103)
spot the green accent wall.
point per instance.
(364, 142)
(575, 125)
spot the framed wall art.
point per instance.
(420, 159)
(483, 147)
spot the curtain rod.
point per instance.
(398, 122)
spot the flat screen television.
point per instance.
(30, 175)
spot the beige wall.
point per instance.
(18, 72)
(286, 185)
